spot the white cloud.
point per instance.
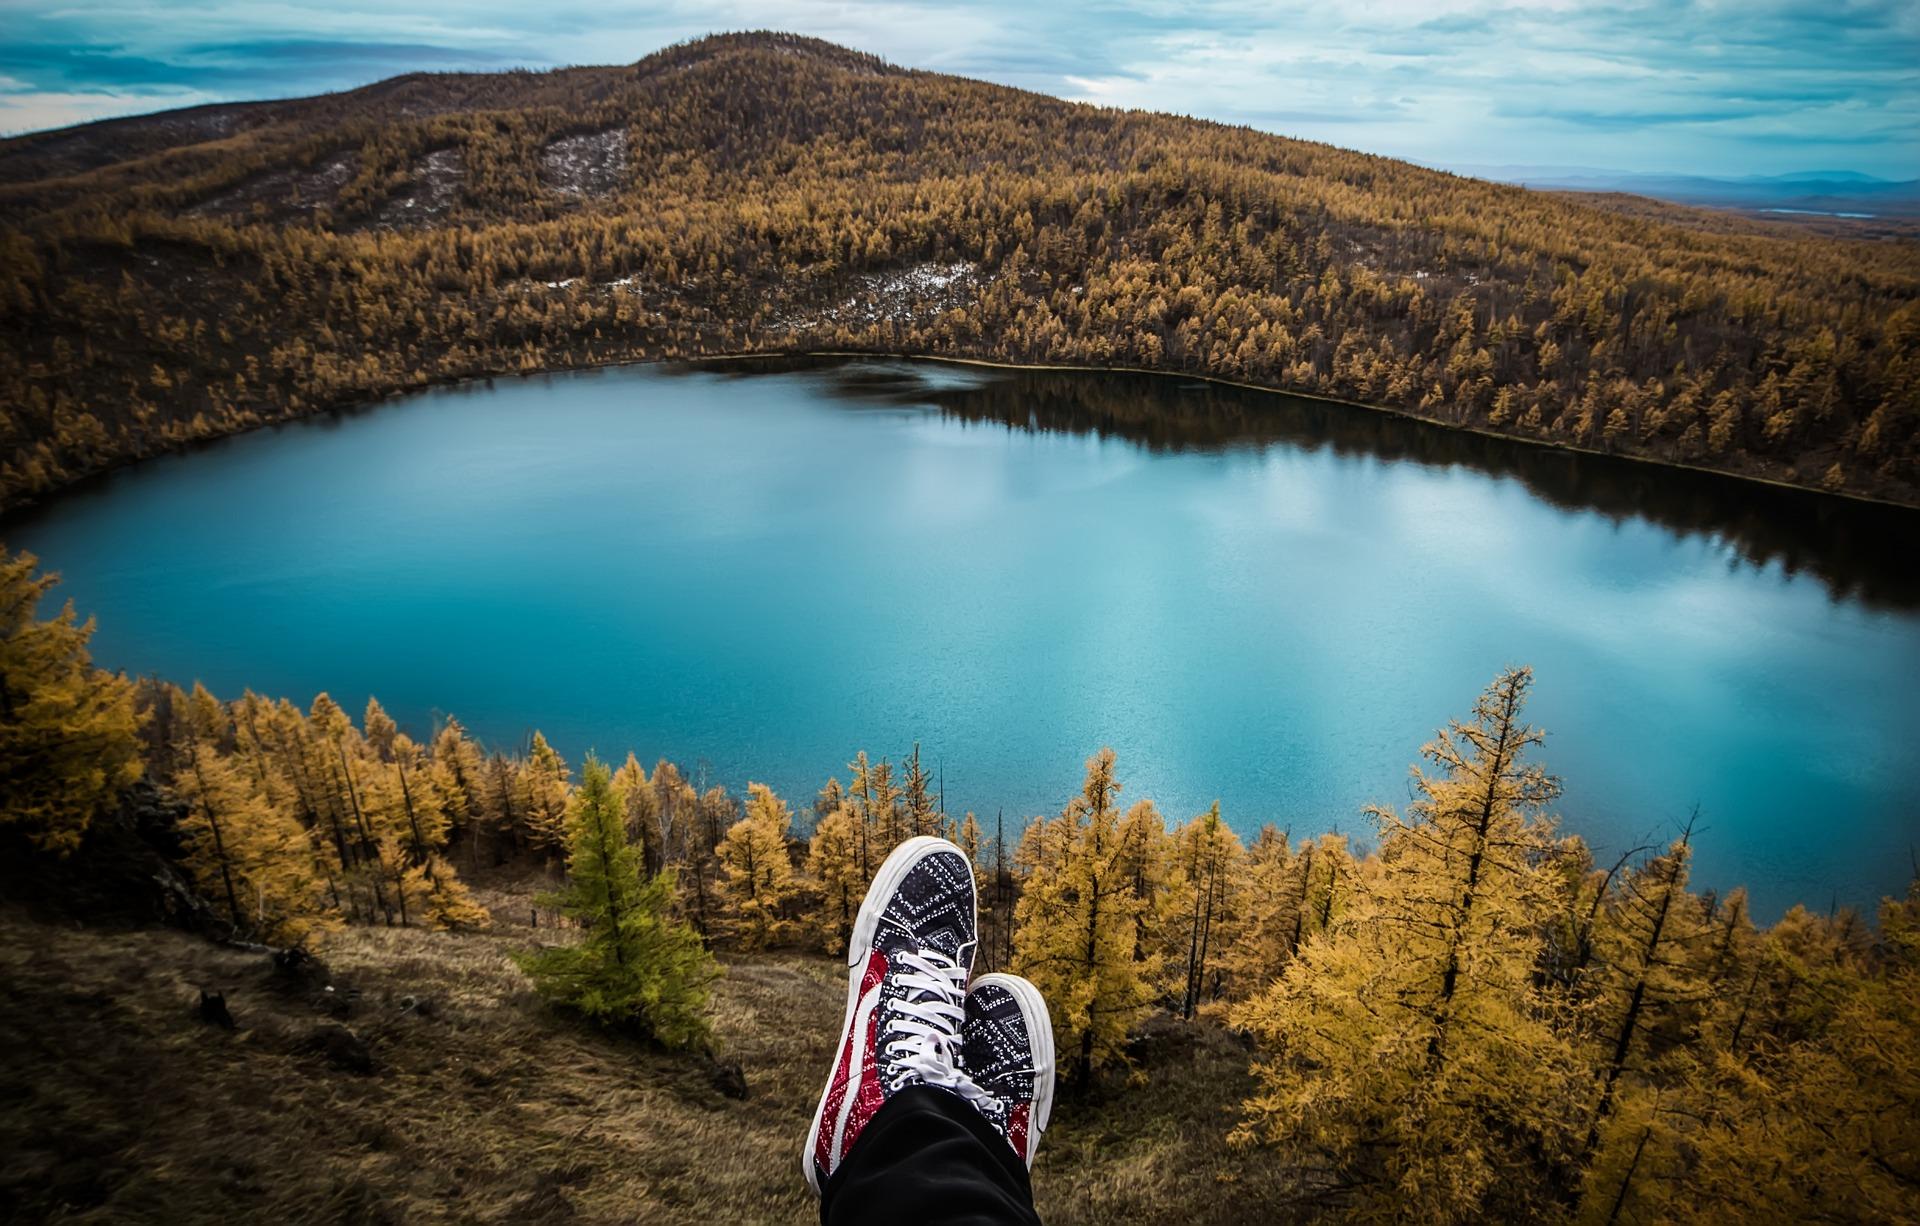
(1760, 86)
(31, 112)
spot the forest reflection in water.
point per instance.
(1858, 550)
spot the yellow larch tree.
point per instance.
(1076, 933)
(921, 810)
(1145, 859)
(757, 869)
(966, 836)
(642, 807)
(435, 894)
(713, 813)
(1650, 947)
(459, 773)
(1408, 1052)
(546, 789)
(674, 801)
(250, 856)
(1202, 893)
(1816, 1115)
(1264, 929)
(833, 862)
(67, 729)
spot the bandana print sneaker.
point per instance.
(907, 969)
(1007, 1049)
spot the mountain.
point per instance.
(192, 273)
(1831, 191)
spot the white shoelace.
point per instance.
(923, 1027)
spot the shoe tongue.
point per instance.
(943, 941)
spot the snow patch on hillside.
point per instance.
(916, 293)
(282, 191)
(591, 164)
(432, 188)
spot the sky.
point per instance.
(1747, 87)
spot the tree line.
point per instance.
(1475, 1018)
(778, 194)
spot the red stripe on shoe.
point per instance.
(870, 1097)
(845, 1072)
(1017, 1129)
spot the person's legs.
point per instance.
(907, 970)
(937, 1094)
(929, 1158)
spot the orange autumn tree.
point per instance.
(66, 728)
(1408, 1052)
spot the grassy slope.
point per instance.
(122, 1105)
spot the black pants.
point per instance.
(929, 1159)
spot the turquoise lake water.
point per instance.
(1264, 600)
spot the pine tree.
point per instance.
(758, 871)
(922, 815)
(674, 800)
(634, 964)
(545, 817)
(1206, 863)
(833, 861)
(67, 729)
(967, 839)
(1410, 1051)
(713, 814)
(1264, 931)
(249, 856)
(1076, 925)
(1145, 861)
(642, 807)
(459, 775)
(447, 905)
(1645, 945)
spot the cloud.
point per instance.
(1707, 86)
(42, 109)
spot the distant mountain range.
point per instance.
(1817, 191)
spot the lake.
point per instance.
(759, 569)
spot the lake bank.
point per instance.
(414, 387)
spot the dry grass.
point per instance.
(118, 1103)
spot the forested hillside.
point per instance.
(190, 274)
(1471, 1019)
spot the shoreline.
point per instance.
(1222, 381)
(27, 506)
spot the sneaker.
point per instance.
(1007, 1049)
(907, 969)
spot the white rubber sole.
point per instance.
(1033, 1007)
(892, 869)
